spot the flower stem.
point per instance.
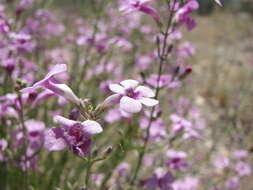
(162, 59)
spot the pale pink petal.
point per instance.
(65, 91)
(145, 91)
(54, 139)
(112, 100)
(57, 69)
(149, 102)
(129, 83)
(92, 127)
(130, 105)
(64, 121)
(116, 88)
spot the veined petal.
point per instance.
(130, 105)
(54, 139)
(149, 101)
(116, 88)
(145, 91)
(129, 83)
(92, 127)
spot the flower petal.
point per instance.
(116, 88)
(54, 139)
(149, 101)
(130, 105)
(92, 127)
(145, 91)
(64, 121)
(57, 69)
(129, 83)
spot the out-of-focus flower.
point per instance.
(132, 95)
(51, 83)
(97, 178)
(74, 134)
(177, 160)
(240, 154)
(123, 169)
(182, 14)
(160, 179)
(189, 183)
(221, 162)
(243, 169)
(128, 6)
(232, 183)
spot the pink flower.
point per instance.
(177, 160)
(132, 95)
(128, 6)
(51, 83)
(182, 14)
(221, 162)
(74, 134)
(243, 169)
(233, 183)
(160, 180)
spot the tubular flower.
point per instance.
(74, 134)
(131, 95)
(52, 84)
(128, 6)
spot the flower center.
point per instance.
(131, 93)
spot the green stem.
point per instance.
(162, 59)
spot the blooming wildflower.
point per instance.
(123, 169)
(97, 178)
(232, 183)
(132, 95)
(240, 154)
(221, 162)
(181, 124)
(74, 134)
(177, 160)
(182, 14)
(160, 180)
(128, 6)
(51, 83)
(188, 183)
(35, 133)
(157, 128)
(243, 169)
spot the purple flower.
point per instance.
(221, 162)
(188, 183)
(74, 134)
(232, 183)
(243, 169)
(182, 14)
(157, 128)
(128, 6)
(51, 83)
(177, 160)
(132, 95)
(35, 134)
(240, 154)
(160, 180)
